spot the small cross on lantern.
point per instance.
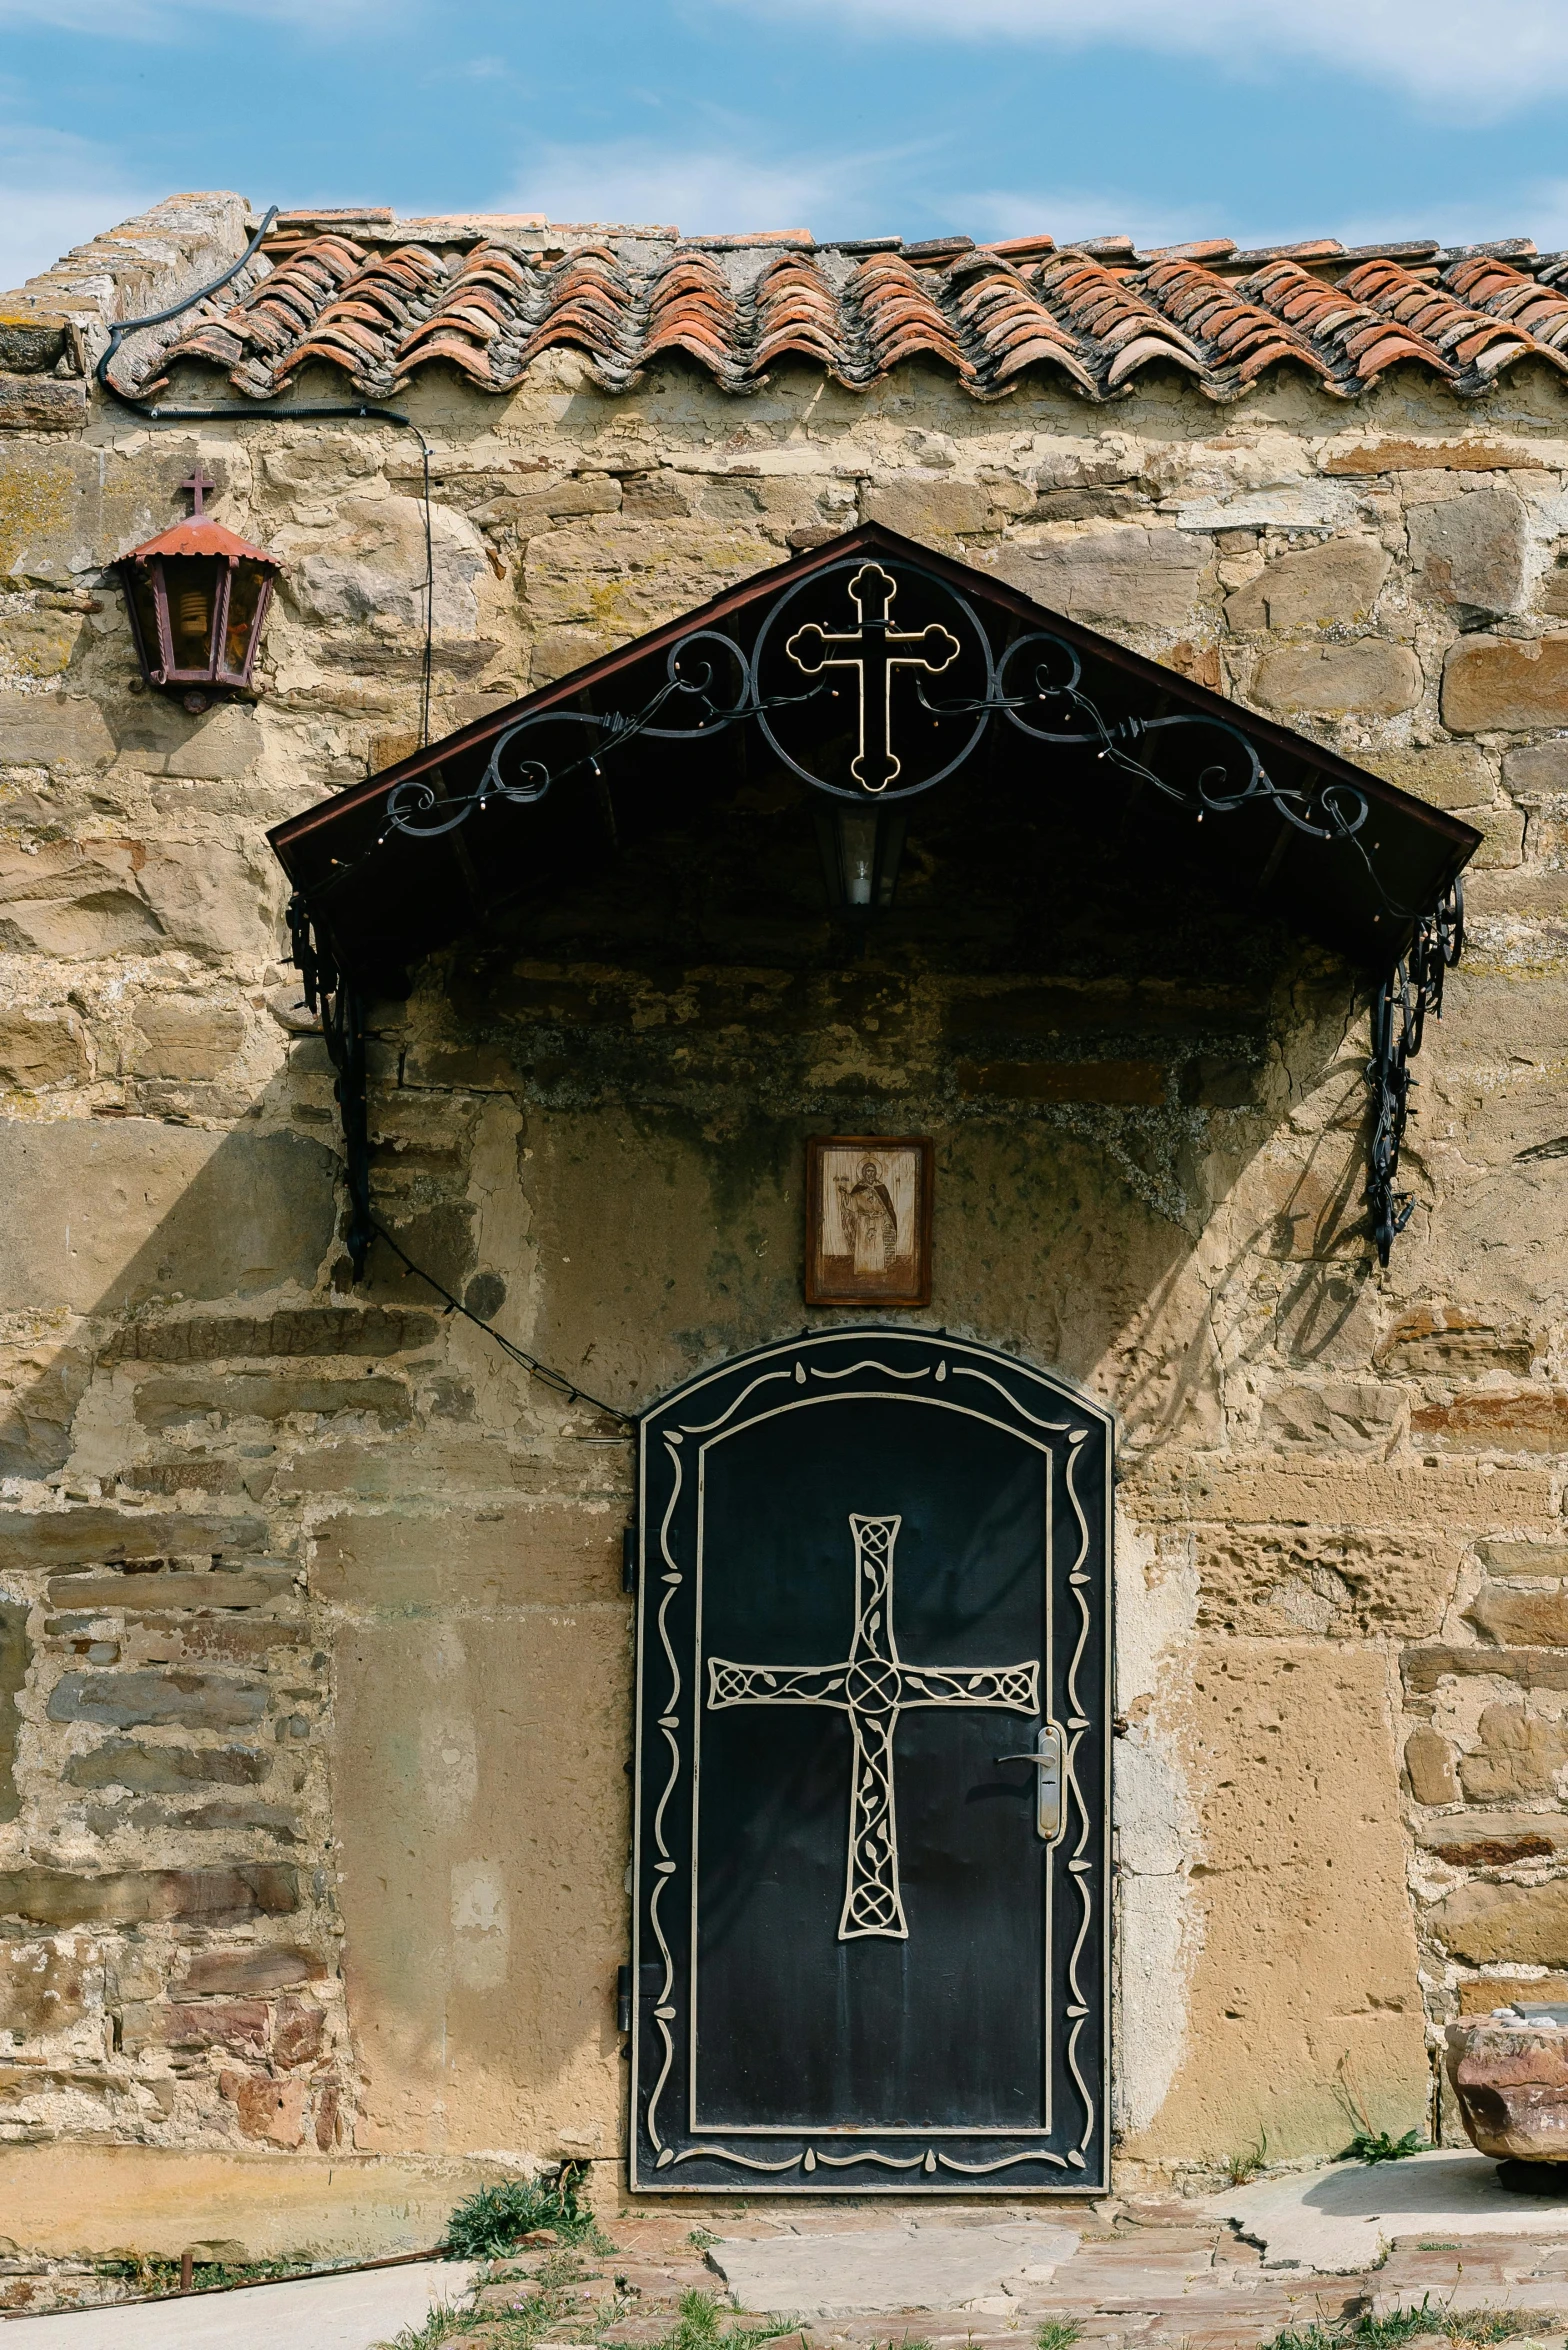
(198, 596)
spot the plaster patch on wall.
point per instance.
(1159, 1928)
(448, 1767)
(481, 1926)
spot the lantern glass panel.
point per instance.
(191, 582)
(245, 585)
(146, 604)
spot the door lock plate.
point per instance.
(1048, 1754)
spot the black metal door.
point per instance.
(871, 1844)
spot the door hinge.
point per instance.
(652, 1977)
(629, 1559)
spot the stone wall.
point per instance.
(314, 1660)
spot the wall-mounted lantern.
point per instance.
(198, 597)
(862, 847)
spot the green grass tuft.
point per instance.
(493, 2221)
(1057, 2333)
(1467, 2329)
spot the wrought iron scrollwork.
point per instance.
(1412, 992)
(341, 1010)
(713, 683)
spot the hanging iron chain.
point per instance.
(1412, 991)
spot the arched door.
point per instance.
(871, 1832)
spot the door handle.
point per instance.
(1048, 1756)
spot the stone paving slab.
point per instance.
(353, 2312)
(914, 2264)
(1343, 2219)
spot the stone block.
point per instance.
(1495, 1839)
(267, 1967)
(306, 1330)
(272, 2112)
(43, 1047)
(1449, 775)
(1452, 1341)
(1429, 1766)
(103, 1214)
(370, 565)
(1403, 456)
(32, 342)
(15, 1657)
(1519, 1753)
(1490, 1992)
(1532, 1419)
(167, 1590)
(194, 1701)
(42, 403)
(69, 509)
(1511, 2081)
(185, 1036)
(1527, 1924)
(1337, 581)
(39, 644)
(189, 1638)
(1469, 551)
(606, 579)
(214, 900)
(53, 730)
(1345, 1584)
(162, 737)
(1353, 1415)
(40, 1388)
(1505, 685)
(1520, 1619)
(165, 1770)
(932, 510)
(1453, 1494)
(1532, 1668)
(112, 897)
(298, 2033)
(43, 1989)
(240, 2024)
(1313, 1808)
(525, 511)
(549, 1555)
(175, 1403)
(1537, 770)
(1131, 1083)
(209, 1897)
(1531, 1559)
(1502, 837)
(88, 1535)
(1125, 575)
(1368, 677)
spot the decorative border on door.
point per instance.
(669, 2152)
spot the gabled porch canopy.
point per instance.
(873, 672)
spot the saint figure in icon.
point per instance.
(867, 1213)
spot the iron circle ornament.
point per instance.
(813, 638)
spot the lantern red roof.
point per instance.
(200, 535)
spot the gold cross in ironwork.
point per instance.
(873, 1686)
(875, 649)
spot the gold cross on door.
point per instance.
(873, 1686)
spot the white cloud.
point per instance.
(712, 191)
(1491, 54)
(56, 191)
(1068, 213)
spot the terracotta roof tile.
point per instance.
(359, 294)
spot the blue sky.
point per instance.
(1258, 119)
